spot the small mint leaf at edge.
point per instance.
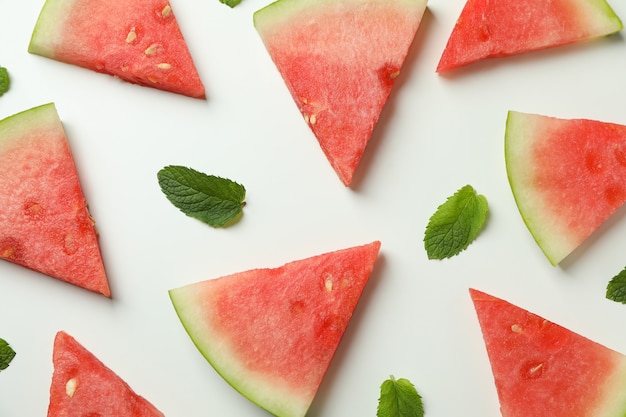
(6, 354)
(616, 288)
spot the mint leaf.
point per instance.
(455, 224)
(616, 289)
(399, 398)
(6, 355)
(215, 201)
(5, 81)
(230, 3)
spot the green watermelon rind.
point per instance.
(42, 115)
(613, 403)
(45, 36)
(552, 240)
(279, 11)
(253, 387)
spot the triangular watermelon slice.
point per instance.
(489, 28)
(542, 369)
(83, 386)
(138, 41)
(272, 333)
(567, 176)
(339, 59)
(44, 221)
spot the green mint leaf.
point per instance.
(399, 398)
(616, 289)
(455, 224)
(5, 81)
(230, 3)
(215, 201)
(6, 354)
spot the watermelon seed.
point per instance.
(8, 252)
(516, 328)
(167, 10)
(164, 66)
(328, 284)
(536, 368)
(533, 370)
(151, 50)
(69, 244)
(70, 387)
(132, 35)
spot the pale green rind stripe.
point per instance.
(613, 401)
(276, 399)
(15, 126)
(47, 33)
(600, 16)
(280, 11)
(553, 239)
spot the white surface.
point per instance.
(415, 320)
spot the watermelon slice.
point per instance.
(488, 29)
(339, 59)
(542, 369)
(138, 41)
(83, 386)
(567, 176)
(44, 221)
(272, 333)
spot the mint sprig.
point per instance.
(399, 398)
(5, 81)
(213, 200)
(6, 354)
(616, 288)
(455, 224)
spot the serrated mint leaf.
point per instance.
(616, 289)
(213, 200)
(399, 398)
(6, 354)
(5, 81)
(455, 224)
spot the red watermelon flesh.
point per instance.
(44, 221)
(82, 386)
(568, 176)
(488, 28)
(339, 60)
(542, 369)
(138, 41)
(272, 333)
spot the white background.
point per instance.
(415, 319)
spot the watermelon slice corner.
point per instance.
(491, 29)
(542, 369)
(271, 333)
(45, 224)
(339, 60)
(83, 386)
